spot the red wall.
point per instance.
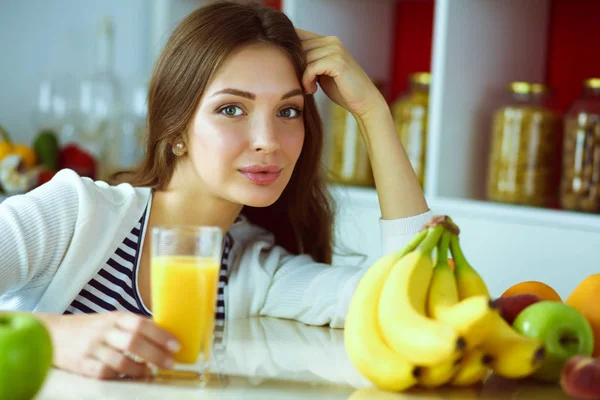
(413, 28)
(573, 48)
(273, 3)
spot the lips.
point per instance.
(261, 174)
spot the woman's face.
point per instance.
(248, 130)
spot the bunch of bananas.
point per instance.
(413, 320)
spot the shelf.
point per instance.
(364, 197)
(523, 215)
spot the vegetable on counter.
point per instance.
(26, 153)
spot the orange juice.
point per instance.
(184, 290)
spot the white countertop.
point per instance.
(267, 358)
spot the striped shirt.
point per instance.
(115, 286)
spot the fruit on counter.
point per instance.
(564, 331)
(7, 147)
(76, 158)
(540, 289)
(15, 178)
(363, 340)
(25, 355)
(473, 368)
(47, 148)
(439, 374)
(580, 377)
(404, 324)
(398, 333)
(585, 298)
(513, 355)
(510, 306)
(468, 282)
(469, 317)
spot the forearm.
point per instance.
(400, 194)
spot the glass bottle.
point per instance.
(525, 144)
(580, 184)
(410, 113)
(100, 102)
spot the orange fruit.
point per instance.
(451, 263)
(544, 291)
(585, 298)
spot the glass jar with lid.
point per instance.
(525, 144)
(580, 184)
(410, 113)
(348, 160)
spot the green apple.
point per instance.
(25, 355)
(563, 330)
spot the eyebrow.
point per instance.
(252, 96)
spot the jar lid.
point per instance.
(592, 83)
(520, 87)
(421, 78)
(539, 88)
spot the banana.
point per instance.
(471, 316)
(473, 368)
(438, 375)
(513, 355)
(442, 289)
(402, 317)
(362, 337)
(468, 281)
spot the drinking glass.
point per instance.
(185, 265)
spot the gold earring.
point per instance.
(179, 149)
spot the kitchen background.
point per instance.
(481, 92)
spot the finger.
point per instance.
(319, 53)
(319, 42)
(140, 346)
(147, 328)
(326, 66)
(304, 34)
(94, 368)
(119, 362)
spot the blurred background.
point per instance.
(497, 103)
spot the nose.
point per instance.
(263, 137)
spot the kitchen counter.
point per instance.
(267, 358)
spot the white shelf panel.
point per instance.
(478, 47)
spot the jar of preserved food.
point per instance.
(580, 184)
(522, 167)
(410, 113)
(348, 160)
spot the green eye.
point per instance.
(232, 111)
(289, 113)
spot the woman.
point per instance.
(235, 141)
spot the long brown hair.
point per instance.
(302, 218)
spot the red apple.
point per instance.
(510, 306)
(580, 377)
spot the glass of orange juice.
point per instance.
(185, 263)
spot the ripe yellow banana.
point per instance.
(402, 317)
(362, 337)
(438, 375)
(473, 368)
(513, 355)
(468, 281)
(471, 316)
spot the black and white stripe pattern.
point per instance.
(112, 289)
(220, 312)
